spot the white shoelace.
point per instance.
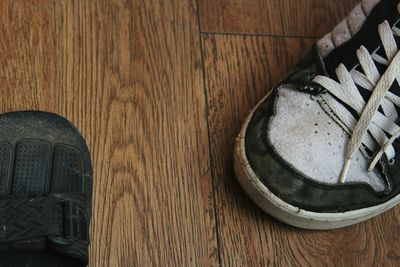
(372, 125)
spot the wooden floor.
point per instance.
(159, 89)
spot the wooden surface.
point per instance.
(273, 17)
(128, 74)
(159, 101)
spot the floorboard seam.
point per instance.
(260, 35)
(213, 179)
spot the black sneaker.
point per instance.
(321, 151)
(45, 192)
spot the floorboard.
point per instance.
(240, 70)
(273, 17)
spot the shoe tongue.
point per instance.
(367, 36)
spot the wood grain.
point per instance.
(128, 74)
(273, 17)
(240, 70)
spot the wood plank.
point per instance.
(239, 71)
(128, 74)
(283, 17)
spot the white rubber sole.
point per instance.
(286, 212)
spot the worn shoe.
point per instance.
(45, 191)
(321, 151)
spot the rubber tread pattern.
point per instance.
(67, 175)
(32, 160)
(5, 161)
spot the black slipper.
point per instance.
(45, 191)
